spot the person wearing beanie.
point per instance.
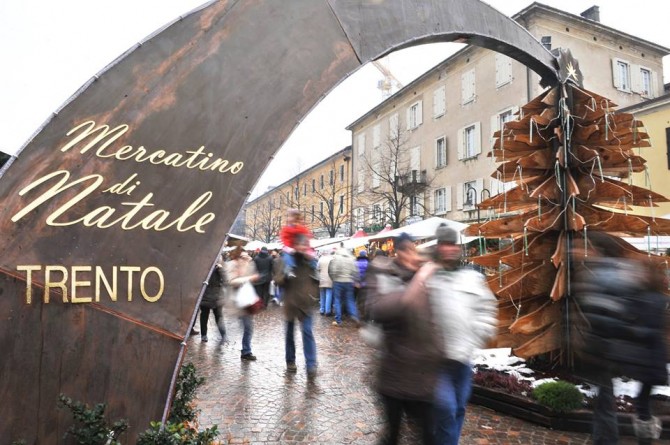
(465, 312)
(263, 263)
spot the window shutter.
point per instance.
(619, 82)
(468, 86)
(459, 196)
(447, 198)
(415, 158)
(393, 126)
(478, 138)
(376, 136)
(635, 79)
(439, 102)
(495, 186)
(495, 126)
(419, 113)
(431, 208)
(361, 144)
(654, 85)
(461, 143)
(408, 123)
(421, 198)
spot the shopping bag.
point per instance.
(246, 296)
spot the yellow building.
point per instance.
(321, 193)
(655, 114)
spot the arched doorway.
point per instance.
(114, 211)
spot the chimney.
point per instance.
(593, 13)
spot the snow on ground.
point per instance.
(501, 359)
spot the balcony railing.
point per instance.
(412, 182)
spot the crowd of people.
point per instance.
(432, 312)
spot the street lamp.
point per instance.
(481, 198)
(350, 192)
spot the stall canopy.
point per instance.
(421, 229)
(360, 233)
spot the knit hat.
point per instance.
(398, 240)
(446, 235)
(362, 253)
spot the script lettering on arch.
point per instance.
(113, 214)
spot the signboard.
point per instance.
(113, 214)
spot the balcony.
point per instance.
(413, 182)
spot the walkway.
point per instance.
(259, 403)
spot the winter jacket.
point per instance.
(238, 272)
(213, 296)
(410, 358)
(322, 269)
(263, 263)
(622, 327)
(362, 264)
(300, 292)
(343, 268)
(465, 310)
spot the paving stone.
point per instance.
(260, 403)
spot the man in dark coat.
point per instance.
(411, 353)
(212, 300)
(300, 295)
(264, 266)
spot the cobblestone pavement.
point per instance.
(260, 403)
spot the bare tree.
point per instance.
(332, 213)
(263, 222)
(398, 183)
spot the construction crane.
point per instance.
(389, 83)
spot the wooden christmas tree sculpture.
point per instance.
(572, 158)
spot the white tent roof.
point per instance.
(421, 229)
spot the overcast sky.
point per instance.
(50, 48)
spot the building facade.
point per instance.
(441, 125)
(322, 193)
(655, 114)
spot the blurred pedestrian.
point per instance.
(288, 233)
(325, 285)
(239, 270)
(360, 287)
(344, 273)
(623, 332)
(212, 300)
(410, 355)
(263, 262)
(465, 311)
(299, 296)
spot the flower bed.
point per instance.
(505, 383)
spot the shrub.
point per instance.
(180, 428)
(177, 434)
(559, 396)
(499, 380)
(93, 428)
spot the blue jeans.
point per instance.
(325, 300)
(453, 391)
(344, 291)
(248, 325)
(308, 342)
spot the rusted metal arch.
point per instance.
(234, 77)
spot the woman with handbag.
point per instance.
(241, 271)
